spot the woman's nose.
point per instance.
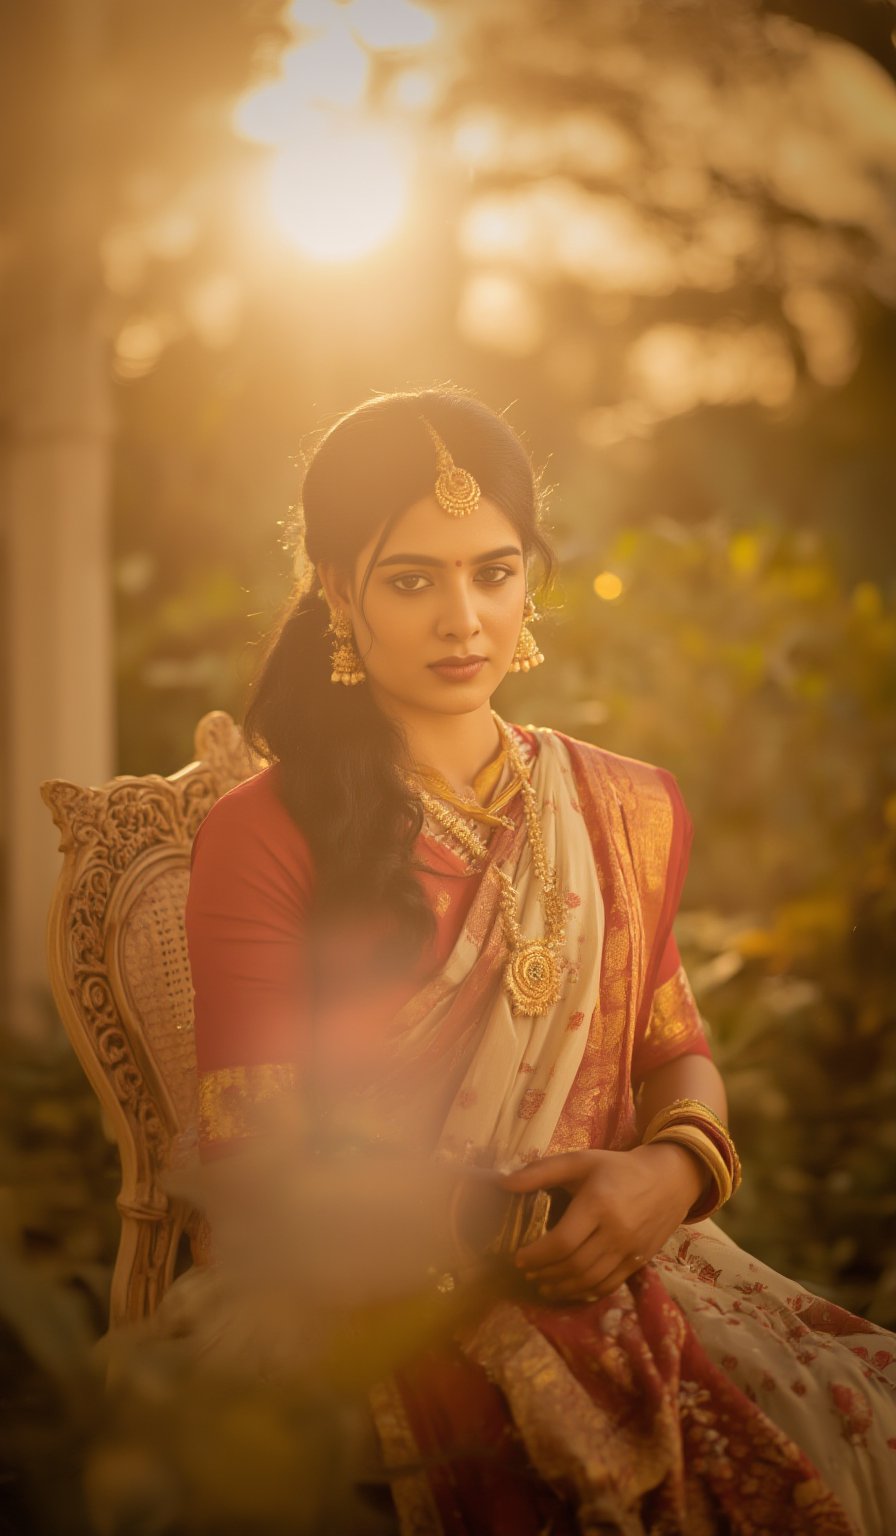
(459, 618)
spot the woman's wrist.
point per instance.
(684, 1170)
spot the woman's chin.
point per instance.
(440, 698)
(460, 698)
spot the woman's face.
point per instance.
(442, 609)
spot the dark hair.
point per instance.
(337, 751)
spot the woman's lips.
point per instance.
(458, 671)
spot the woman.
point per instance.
(455, 936)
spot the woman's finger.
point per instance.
(587, 1254)
(617, 1277)
(598, 1280)
(575, 1227)
(566, 1168)
(593, 1252)
(601, 1274)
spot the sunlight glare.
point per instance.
(328, 71)
(413, 89)
(342, 195)
(390, 23)
(331, 70)
(338, 182)
(259, 116)
(317, 14)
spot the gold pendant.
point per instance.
(532, 978)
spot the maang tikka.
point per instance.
(527, 654)
(455, 489)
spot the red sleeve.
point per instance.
(671, 1024)
(248, 898)
(674, 1025)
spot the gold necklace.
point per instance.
(532, 975)
(490, 814)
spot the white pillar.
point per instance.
(59, 647)
(55, 376)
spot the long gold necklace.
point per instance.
(532, 975)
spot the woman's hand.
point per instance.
(624, 1206)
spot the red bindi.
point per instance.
(458, 562)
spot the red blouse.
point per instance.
(247, 911)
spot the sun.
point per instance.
(339, 182)
(341, 193)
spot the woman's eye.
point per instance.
(406, 583)
(495, 575)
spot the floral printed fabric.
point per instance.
(706, 1396)
(824, 1376)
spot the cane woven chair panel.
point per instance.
(155, 972)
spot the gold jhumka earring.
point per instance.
(347, 665)
(455, 489)
(527, 655)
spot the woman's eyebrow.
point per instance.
(491, 554)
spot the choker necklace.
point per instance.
(532, 975)
(490, 812)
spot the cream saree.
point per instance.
(793, 1408)
(707, 1394)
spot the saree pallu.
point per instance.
(705, 1395)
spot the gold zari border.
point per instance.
(232, 1100)
(674, 1015)
(414, 1500)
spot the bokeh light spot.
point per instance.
(608, 586)
(503, 312)
(138, 346)
(743, 554)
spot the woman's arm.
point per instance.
(245, 922)
(687, 1077)
(627, 1203)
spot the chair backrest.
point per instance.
(120, 976)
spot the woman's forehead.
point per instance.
(425, 529)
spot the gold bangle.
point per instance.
(712, 1199)
(686, 1111)
(682, 1108)
(697, 1142)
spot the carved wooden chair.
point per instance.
(120, 976)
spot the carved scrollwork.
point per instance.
(200, 794)
(156, 1133)
(112, 1047)
(98, 1004)
(219, 742)
(106, 835)
(139, 817)
(94, 890)
(70, 808)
